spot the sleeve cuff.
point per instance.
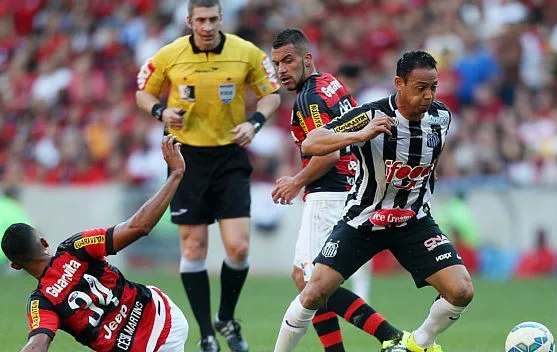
(45, 331)
(110, 241)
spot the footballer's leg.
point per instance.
(324, 281)
(325, 322)
(434, 261)
(193, 271)
(235, 267)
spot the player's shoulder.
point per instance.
(174, 49)
(235, 42)
(386, 105)
(439, 113)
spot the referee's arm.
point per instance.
(266, 106)
(151, 104)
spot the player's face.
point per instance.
(206, 22)
(290, 65)
(419, 89)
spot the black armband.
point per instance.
(257, 120)
(157, 111)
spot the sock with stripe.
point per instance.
(328, 330)
(442, 314)
(356, 311)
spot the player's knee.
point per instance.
(312, 297)
(238, 251)
(462, 294)
(298, 278)
(193, 249)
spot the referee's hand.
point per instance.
(244, 134)
(173, 118)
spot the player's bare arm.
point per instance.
(171, 117)
(37, 343)
(323, 141)
(245, 131)
(141, 223)
(287, 188)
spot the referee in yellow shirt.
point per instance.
(206, 74)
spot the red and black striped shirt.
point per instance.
(321, 99)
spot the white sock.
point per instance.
(360, 281)
(294, 325)
(441, 315)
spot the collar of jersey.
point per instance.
(216, 50)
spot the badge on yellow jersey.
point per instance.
(227, 91)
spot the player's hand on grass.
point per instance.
(380, 124)
(286, 190)
(171, 153)
(244, 134)
(173, 118)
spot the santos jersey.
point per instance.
(208, 85)
(80, 293)
(322, 98)
(394, 178)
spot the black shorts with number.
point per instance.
(215, 185)
(420, 247)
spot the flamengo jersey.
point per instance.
(394, 179)
(209, 86)
(80, 293)
(321, 99)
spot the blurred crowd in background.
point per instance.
(68, 78)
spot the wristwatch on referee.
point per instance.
(157, 111)
(257, 120)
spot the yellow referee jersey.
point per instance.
(209, 86)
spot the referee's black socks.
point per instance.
(197, 288)
(232, 278)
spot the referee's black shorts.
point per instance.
(215, 185)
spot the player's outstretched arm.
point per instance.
(37, 343)
(150, 213)
(322, 141)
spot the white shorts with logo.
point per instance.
(178, 330)
(322, 210)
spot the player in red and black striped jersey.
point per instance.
(80, 293)
(327, 180)
(321, 98)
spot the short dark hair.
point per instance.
(292, 36)
(203, 3)
(412, 60)
(20, 243)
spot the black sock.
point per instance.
(231, 283)
(356, 311)
(328, 330)
(197, 289)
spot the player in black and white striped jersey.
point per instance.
(399, 140)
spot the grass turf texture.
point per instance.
(497, 307)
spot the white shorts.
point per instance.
(176, 340)
(322, 211)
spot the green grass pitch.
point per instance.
(497, 307)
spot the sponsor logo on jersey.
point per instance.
(64, 281)
(315, 115)
(35, 316)
(390, 217)
(442, 119)
(125, 337)
(113, 325)
(330, 249)
(227, 92)
(88, 241)
(332, 88)
(302, 121)
(353, 124)
(434, 242)
(407, 176)
(443, 256)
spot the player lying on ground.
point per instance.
(80, 293)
